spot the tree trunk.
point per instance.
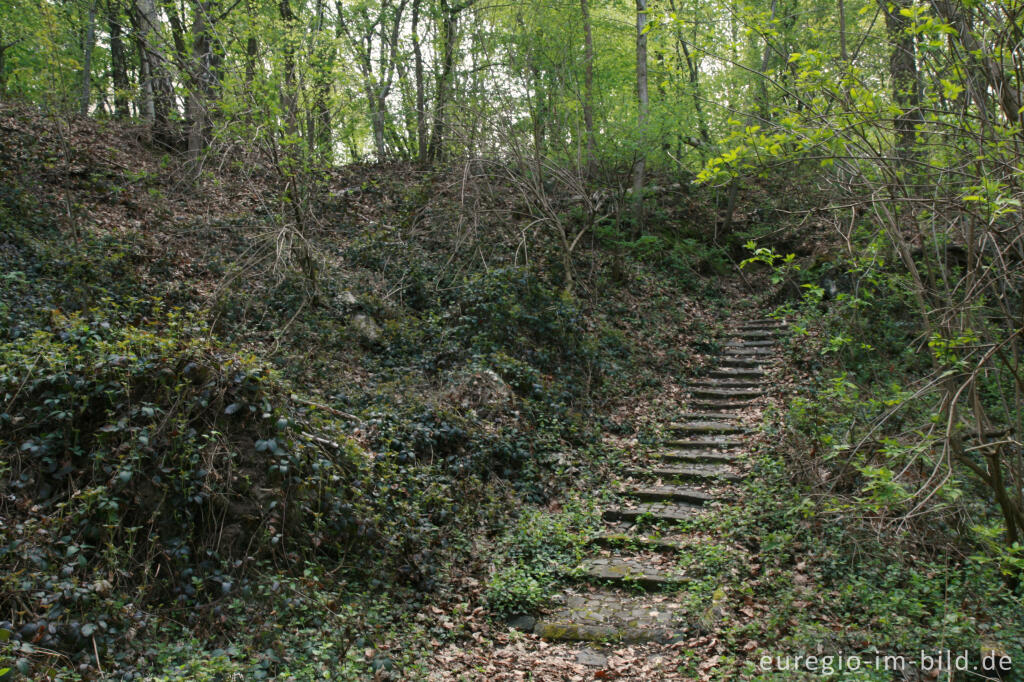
(156, 87)
(3, 62)
(289, 94)
(87, 46)
(118, 60)
(906, 91)
(588, 87)
(449, 17)
(319, 117)
(643, 103)
(421, 97)
(251, 47)
(762, 98)
(202, 83)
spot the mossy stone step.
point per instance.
(631, 571)
(708, 416)
(647, 542)
(763, 321)
(731, 382)
(685, 472)
(744, 363)
(567, 631)
(737, 372)
(749, 344)
(749, 352)
(746, 328)
(613, 617)
(705, 427)
(756, 334)
(696, 456)
(669, 493)
(716, 392)
(659, 511)
(703, 443)
(720, 404)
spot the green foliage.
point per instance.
(534, 552)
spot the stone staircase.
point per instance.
(625, 591)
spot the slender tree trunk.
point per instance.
(202, 83)
(588, 87)
(141, 19)
(3, 62)
(449, 18)
(378, 108)
(118, 60)
(251, 47)
(766, 54)
(421, 96)
(156, 86)
(87, 45)
(289, 94)
(643, 104)
(842, 33)
(906, 90)
(319, 116)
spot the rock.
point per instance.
(482, 390)
(366, 329)
(346, 298)
(524, 623)
(592, 658)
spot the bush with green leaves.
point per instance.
(147, 465)
(537, 552)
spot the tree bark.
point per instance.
(643, 104)
(906, 91)
(289, 94)
(202, 83)
(155, 85)
(319, 137)
(449, 19)
(118, 60)
(87, 45)
(421, 97)
(588, 87)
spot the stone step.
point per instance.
(755, 335)
(725, 393)
(654, 542)
(703, 443)
(706, 416)
(745, 363)
(749, 344)
(760, 323)
(631, 571)
(658, 511)
(757, 329)
(705, 427)
(729, 373)
(720, 404)
(608, 616)
(715, 382)
(690, 472)
(749, 352)
(569, 631)
(669, 493)
(695, 456)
